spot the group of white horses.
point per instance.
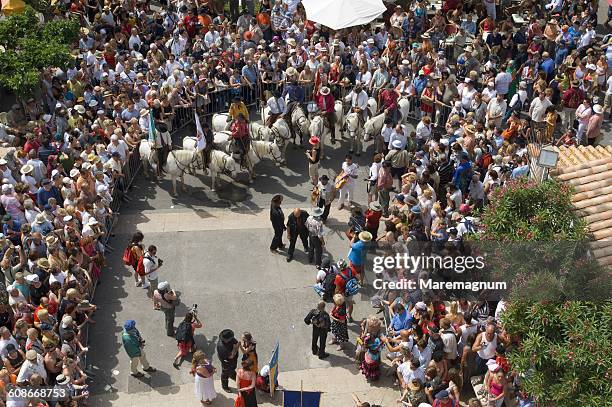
(266, 142)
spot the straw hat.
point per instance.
(144, 112)
(375, 206)
(26, 169)
(597, 109)
(291, 71)
(365, 236)
(51, 240)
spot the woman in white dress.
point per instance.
(203, 371)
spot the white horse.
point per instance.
(259, 131)
(374, 126)
(373, 105)
(281, 134)
(404, 108)
(147, 156)
(355, 132)
(219, 122)
(179, 162)
(299, 121)
(220, 162)
(320, 128)
(339, 116)
(258, 151)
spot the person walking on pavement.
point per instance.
(227, 350)
(167, 300)
(134, 347)
(296, 226)
(349, 173)
(151, 265)
(277, 217)
(327, 193)
(321, 324)
(314, 156)
(315, 234)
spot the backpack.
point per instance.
(184, 332)
(318, 320)
(140, 268)
(329, 287)
(485, 160)
(129, 259)
(518, 106)
(352, 286)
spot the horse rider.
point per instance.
(240, 136)
(358, 99)
(162, 145)
(325, 102)
(388, 102)
(209, 136)
(296, 96)
(277, 107)
(236, 109)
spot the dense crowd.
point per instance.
(479, 80)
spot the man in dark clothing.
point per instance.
(277, 217)
(227, 350)
(296, 226)
(321, 323)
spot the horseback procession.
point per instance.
(233, 145)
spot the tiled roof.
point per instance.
(589, 171)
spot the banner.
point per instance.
(199, 134)
(152, 131)
(273, 368)
(292, 398)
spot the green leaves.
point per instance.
(31, 47)
(565, 353)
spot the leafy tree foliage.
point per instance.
(30, 46)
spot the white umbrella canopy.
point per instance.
(338, 14)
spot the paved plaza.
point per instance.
(216, 255)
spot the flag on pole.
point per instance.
(199, 134)
(152, 131)
(274, 369)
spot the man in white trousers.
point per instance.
(349, 173)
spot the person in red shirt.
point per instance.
(190, 23)
(387, 100)
(372, 219)
(240, 135)
(32, 143)
(325, 102)
(345, 274)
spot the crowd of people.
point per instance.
(480, 80)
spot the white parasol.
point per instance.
(337, 14)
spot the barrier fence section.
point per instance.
(121, 185)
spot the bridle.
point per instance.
(271, 152)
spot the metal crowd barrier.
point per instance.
(120, 187)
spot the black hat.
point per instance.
(323, 178)
(226, 335)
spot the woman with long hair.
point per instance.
(203, 371)
(245, 380)
(248, 347)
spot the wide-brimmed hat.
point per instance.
(43, 263)
(598, 109)
(375, 206)
(51, 240)
(226, 335)
(396, 144)
(291, 71)
(415, 384)
(469, 129)
(324, 91)
(31, 355)
(40, 218)
(365, 236)
(314, 140)
(316, 212)
(80, 109)
(26, 169)
(144, 112)
(62, 380)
